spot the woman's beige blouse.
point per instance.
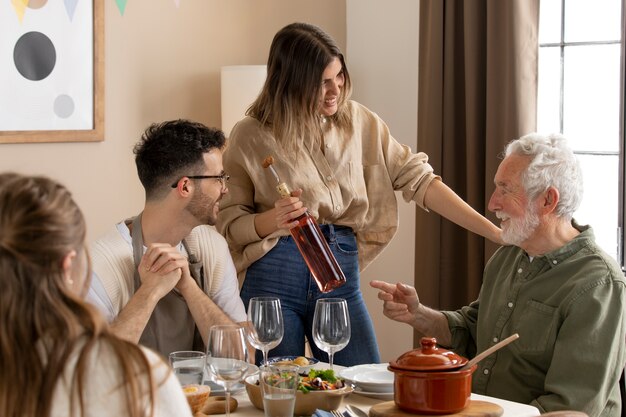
(349, 180)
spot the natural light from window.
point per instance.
(578, 95)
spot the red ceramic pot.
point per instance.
(429, 380)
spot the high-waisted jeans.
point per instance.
(283, 273)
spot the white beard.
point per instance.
(516, 231)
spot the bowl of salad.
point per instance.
(319, 389)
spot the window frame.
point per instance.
(621, 220)
(622, 168)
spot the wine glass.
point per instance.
(227, 356)
(265, 324)
(331, 325)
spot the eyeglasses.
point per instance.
(222, 177)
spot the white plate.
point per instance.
(379, 395)
(370, 378)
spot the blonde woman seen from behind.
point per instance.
(57, 355)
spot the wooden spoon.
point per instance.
(482, 355)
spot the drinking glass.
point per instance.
(331, 325)
(188, 365)
(278, 386)
(227, 356)
(265, 324)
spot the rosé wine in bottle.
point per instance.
(312, 244)
(317, 254)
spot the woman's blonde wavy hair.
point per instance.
(42, 320)
(289, 100)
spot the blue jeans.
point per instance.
(283, 273)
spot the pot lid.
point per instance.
(429, 357)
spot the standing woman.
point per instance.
(344, 165)
(57, 356)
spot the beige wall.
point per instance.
(382, 58)
(161, 63)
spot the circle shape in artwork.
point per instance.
(63, 106)
(34, 56)
(36, 4)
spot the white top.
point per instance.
(104, 393)
(113, 279)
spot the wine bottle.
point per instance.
(312, 244)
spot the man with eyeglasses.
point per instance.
(164, 277)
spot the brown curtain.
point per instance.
(477, 91)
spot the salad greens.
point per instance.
(320, 380)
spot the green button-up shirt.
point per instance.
(568, 308)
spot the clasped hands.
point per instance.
(163, 267)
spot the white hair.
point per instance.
(553, 164)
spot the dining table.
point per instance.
(510, 408)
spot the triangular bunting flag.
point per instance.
(121, 4)
(70, 7)
(20, 8)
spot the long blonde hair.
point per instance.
(289, 101)
(42, 320)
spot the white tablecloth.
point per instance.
(511, 409)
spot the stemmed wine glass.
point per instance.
(331, 325)
(227, 356)
(265, 324)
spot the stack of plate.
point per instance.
(371, 380)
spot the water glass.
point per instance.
(278, 386)
(188, 366)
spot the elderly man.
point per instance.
(553, 285)
(165, 276)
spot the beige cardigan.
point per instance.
(112, 261)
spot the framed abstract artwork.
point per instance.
(51, 71)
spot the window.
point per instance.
(580, 94)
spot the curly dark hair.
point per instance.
(172, 149)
